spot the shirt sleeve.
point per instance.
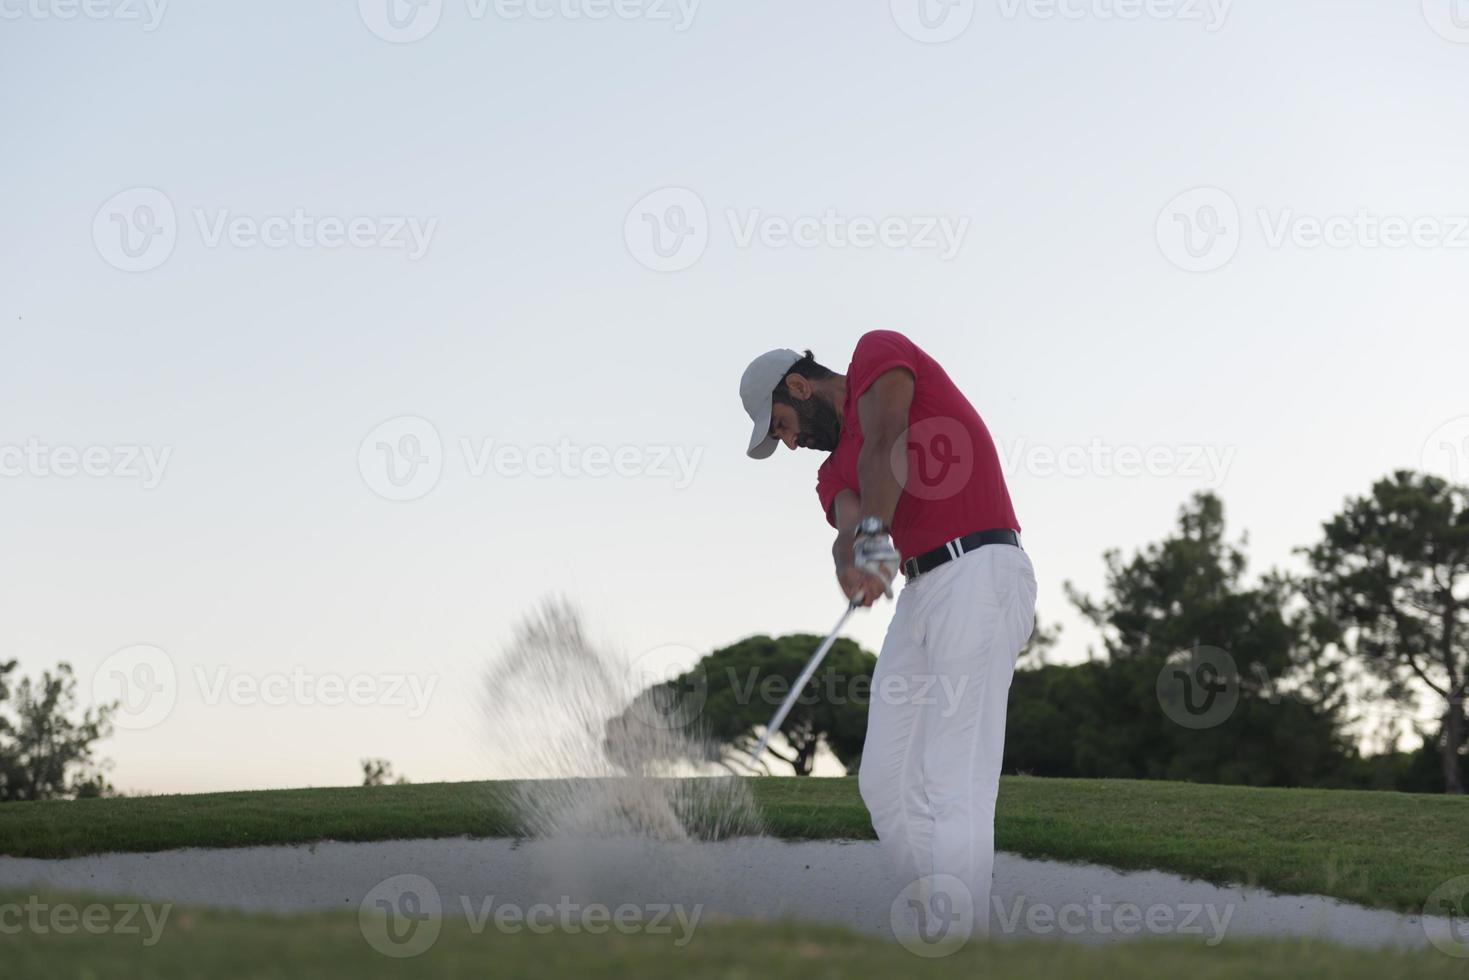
(878, 352)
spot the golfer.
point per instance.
(912, 482)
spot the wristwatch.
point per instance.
(869, 526)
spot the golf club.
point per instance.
(800, 685)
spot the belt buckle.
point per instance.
(910, 568)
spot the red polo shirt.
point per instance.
(954, 484)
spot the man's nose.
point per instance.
(789, 439)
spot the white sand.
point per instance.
(827, 881)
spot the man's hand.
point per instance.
(875, 555)
(867, 582)
(860, 586)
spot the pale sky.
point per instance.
(351, 227)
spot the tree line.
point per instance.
(1205, 673)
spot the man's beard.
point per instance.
(820, 423)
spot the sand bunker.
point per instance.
(846, 883)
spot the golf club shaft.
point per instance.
(801, 681)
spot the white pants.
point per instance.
(936, 724)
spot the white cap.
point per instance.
(756, 386)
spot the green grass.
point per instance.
(1388, 850)
(196, 943)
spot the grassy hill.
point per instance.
(1388, 850)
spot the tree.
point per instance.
(379, 772)
(46, 749)
(739, 687)
(1391, 591)
(1161, 607)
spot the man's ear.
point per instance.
(799, 387)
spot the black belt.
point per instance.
(957, 548)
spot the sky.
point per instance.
(335, 337)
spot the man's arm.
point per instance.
(882, 411)
(846, 509)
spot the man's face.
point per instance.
(807, 423)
